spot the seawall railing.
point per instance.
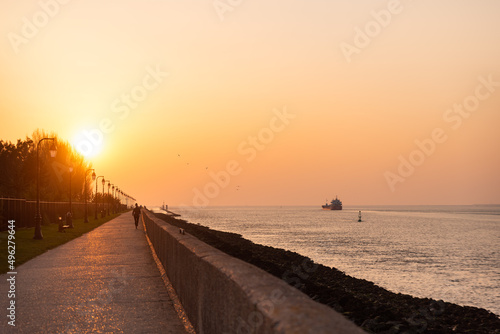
(224, 295)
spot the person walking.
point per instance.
(136, 213)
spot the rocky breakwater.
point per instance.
(373, 308)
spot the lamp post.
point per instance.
(113, 207)
(69, 216)
(103, 212)
(96, 183)
(109, 186)
(118, 199)
(86, 219)
(38, 217)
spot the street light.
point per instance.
(69, 216)
(109, 186)
(96, 183)
(113, 207)
(86, 219)
(38, 217)
(118, 199)
(118, 192)
(103, 212)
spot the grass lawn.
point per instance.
(27, 248)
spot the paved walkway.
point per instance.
(106, 281)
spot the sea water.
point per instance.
(441, 252)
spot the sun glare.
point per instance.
(88, 143)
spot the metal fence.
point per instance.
(23, 211)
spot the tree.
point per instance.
(18, 169)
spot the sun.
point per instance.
(88, 143)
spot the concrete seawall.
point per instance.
(223, 295)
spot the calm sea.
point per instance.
(442, 252)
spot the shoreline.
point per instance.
(371, 307)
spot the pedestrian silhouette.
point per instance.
(136, 213)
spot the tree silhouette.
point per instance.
(18, 169)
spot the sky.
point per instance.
(251, 102)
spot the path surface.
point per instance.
(106, 281)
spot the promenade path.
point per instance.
(105, 281)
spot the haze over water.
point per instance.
(441, 252)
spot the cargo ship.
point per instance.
(335, 204)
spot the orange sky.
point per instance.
(259, 103)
